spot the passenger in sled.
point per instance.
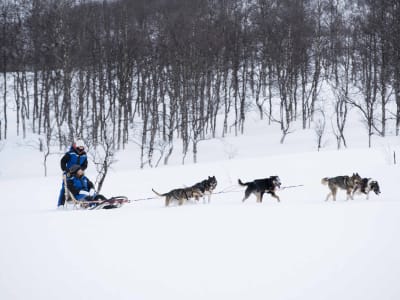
(80, 186)
(83, 191)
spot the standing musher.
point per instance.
(76, 155)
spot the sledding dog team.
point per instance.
(74, 163)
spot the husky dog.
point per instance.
(365, 186)
(259, 187)
(347, 183)
(194, 192)
(179, 195)
(206, 187)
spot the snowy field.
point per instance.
(301, 248)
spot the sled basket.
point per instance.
(113, 202)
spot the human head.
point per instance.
(79, 146)
(76, 170)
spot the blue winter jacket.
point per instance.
(72, 157)
(77, 184)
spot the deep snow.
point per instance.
(301, 248)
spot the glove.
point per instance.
(92, 192)
(84, 193)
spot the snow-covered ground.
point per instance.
(301, 248)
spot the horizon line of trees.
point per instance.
(154, 70)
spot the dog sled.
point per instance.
(113, 202)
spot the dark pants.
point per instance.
(61, 197)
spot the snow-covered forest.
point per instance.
(163, 94)
(156, 72)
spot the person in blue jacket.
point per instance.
(76, 155)
(80, 186)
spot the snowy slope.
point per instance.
(301, 248)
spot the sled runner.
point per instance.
(113, 202)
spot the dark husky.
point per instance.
(259, 187)
(206, 187)
(347, 183)
(365, 186)
(180, 195)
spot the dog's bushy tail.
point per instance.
(242, 184)
(325, 180)
(158, 194)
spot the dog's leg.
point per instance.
(247, 194)
(261, 196)
(275, 196)
(334, 194)
(367, 190)
(327, 197)
(355, 191)
(331, 188)
(258, 195)
(349, 196)
(166, 201)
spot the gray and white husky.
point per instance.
(206, 187)
(367, 185)
(180, 195)
(347, 183)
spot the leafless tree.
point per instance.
(320, 125)
(103, 156)
(175, 67)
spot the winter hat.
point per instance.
(74, 169)
(79, 143)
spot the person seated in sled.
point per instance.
(76, 155)
(80, 186)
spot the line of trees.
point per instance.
(158, 71)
